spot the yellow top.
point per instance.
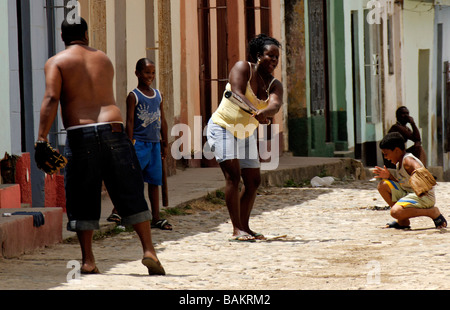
(231, 117)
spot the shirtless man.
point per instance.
(403, 118)
(80, 78)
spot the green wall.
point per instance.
(307, 132)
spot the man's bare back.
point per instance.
(81, 79)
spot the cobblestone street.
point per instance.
(331, 239)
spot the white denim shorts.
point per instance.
(226, 146)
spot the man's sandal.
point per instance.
(154, 267)
(93, 271)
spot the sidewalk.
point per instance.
(194, 183)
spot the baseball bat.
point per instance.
(164, 187)
(239, 102)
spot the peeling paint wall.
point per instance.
(296, 77)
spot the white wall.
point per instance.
(349, 6)
(418, 33)
(5, 136)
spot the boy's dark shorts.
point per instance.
(102, 153)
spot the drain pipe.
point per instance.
(50, 8)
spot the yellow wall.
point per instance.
(192, 62)
(184, 41)
(136, 38)
(189, 27)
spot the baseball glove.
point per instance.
(48, 159)
(422, 181)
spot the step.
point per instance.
(345, 154)
(18, 235)
(10, 196)
(55, 192)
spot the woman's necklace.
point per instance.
(267, 90)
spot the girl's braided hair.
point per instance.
(258, 45)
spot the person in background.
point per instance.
(413, 134)
(147, 128)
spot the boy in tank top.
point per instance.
(146, 126)
(396, 190)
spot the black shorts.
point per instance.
(102, 153)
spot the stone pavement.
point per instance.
(194, 183)
(330, 238)
(333, 238)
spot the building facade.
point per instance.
(29, 38)
(346, 66)
(352, 63)
(194, 44)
